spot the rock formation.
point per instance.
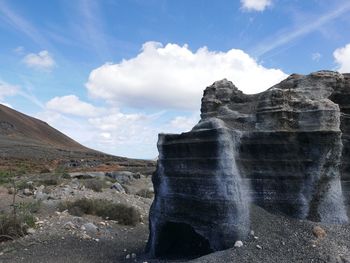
(286, 149)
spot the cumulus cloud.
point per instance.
(255, 5)
(7, 89)
(342, 58)
(43, 60)
(71, 104)
(174, 77)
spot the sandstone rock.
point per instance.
(286, 149)
(319, 232)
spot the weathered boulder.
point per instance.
(286, 149)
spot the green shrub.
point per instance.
(106, 209)
(5, 177)
(16, 224)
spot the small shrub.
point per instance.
(94, 184)
(51, 179)
(14, 225)
(45, 170)
(29, 207)
(11, 227)
(5, 177)
(122, 213)
(145, 193)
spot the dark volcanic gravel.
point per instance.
(287, 240)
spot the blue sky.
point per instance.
(114, 74)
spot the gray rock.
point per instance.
(31, 231)
(286, 149)
(90, 228)
(27, 192)
(86, 175)
(122, 177)
(238, 243)
(69, 225)
(117, 186)
(39, 195)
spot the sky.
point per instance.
(113, 74)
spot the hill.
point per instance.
(28, 141)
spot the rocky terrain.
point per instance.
(261, 178)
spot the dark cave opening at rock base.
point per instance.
(181, 241)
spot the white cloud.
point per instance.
(71, 104)
(316, 56)
(174, 77)
(342, 58)
(7, 89)
(183, 123)
(43, 60)
(255, 5)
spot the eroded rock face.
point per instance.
(286, 149)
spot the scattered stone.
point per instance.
(90, 228)
(127, 256)
(31, 231)
(117, 186)
(39, 195)
(238, 243)
(252, 233)
(27, 192)
(121, 176)
(86, 175)
(85, 236)
(319, 232)
(69, 225)
(133, 255)
(258, 247)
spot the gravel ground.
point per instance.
(287, 240)
(281, 239)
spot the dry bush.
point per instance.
(122, 213)
(145, 193)
(50, 179)
(16, 223)
(94, 184)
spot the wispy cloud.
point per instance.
(91, 21)
(21, 24)
(300, 30)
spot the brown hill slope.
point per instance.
(25, 137)
(15, 126)
(27, 141)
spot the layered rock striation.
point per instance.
(286, 149)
